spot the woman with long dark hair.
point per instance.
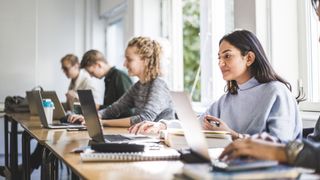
(305, 153)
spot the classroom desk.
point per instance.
(60, 143)
(111, 170)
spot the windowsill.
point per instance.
(309, 118)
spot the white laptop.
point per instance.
(196, 139)
(58, 111)
(56, 123)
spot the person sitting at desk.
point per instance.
(116, 81)
(257, 99)
(80, 79)
(305, 153)
(149, 97)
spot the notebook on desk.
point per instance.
(56, 122)
(93, 124)
(196, 139)
(147, 155)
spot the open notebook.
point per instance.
(147, 155)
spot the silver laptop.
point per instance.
(94, 126)
(56, 125)
(58, 111)
(196, 139)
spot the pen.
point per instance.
(76, 129)
(214, 123)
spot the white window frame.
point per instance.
(306, 54)
(212, 29)
(118, 13)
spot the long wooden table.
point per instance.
(60, 143)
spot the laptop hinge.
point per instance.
(189, 156)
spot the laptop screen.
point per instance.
(38, 101)
(90, 115)
(190, 124)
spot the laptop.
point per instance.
(94, 126)
(196, 139)
(58, 111)
(37, 97)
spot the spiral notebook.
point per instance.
(148, 155)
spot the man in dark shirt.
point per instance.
(116, 81)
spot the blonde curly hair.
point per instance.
(150, 51)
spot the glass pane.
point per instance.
(315, 54)
(115, 46)
(191, 47)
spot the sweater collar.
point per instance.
(249, 84)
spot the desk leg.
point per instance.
(49, 169)
(26, 154)
(74, 176)
(44, 166)
(6, 140)
(54, 169)
(14, 150)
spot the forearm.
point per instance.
(309, 156)
(124, 122)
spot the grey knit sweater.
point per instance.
(150, 102)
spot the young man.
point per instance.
(80, 79)
(305, 153)
(116, 81)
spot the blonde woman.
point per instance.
(149, 98)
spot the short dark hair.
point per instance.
(71, 58)
(261, 69)
(91, 57)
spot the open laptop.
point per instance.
(58, 111)
(94, 126)
(57, 125)
(196, 139)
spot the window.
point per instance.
(309, 58)
(114, 43)
(314, 65)
(197, 25)
(191, 47)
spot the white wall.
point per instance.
(35, 34)
(17, 46)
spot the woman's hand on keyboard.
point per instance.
(147, 127)
(75, 118)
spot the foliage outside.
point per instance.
(191, 45)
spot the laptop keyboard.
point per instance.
(116, 137)
(64, 124)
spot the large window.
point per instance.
(314, 65)
(114, 43)
(191, 47)
(204, 23)
(309, 58)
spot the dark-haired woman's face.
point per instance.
(232, 64)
